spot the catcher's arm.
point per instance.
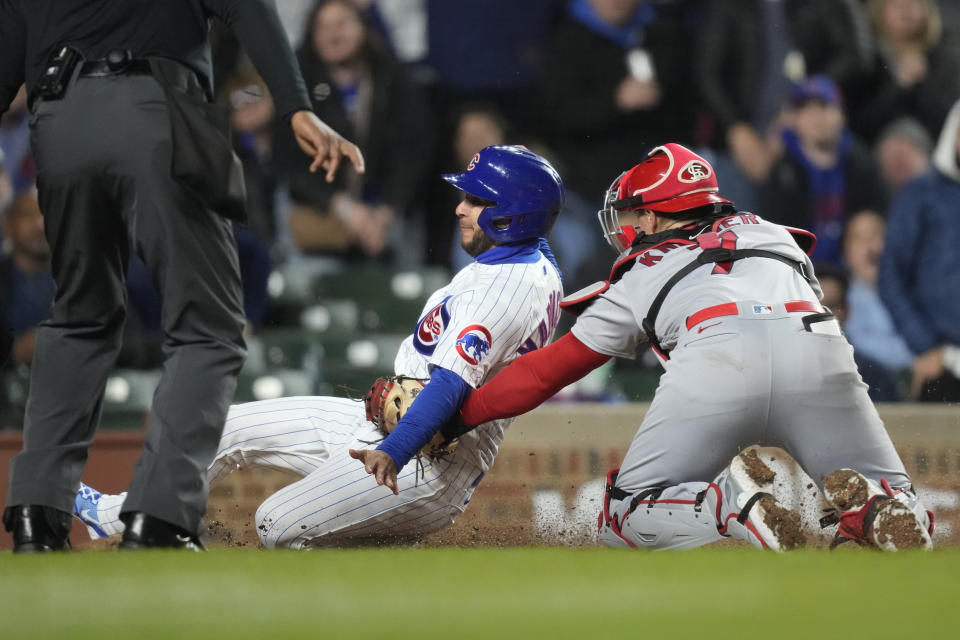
(437, 402)
(531, 379)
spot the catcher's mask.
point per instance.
(671, 180)
(527, 190)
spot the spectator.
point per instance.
(292, 14)
(6, 189)
(403, 24)
(481, 124)
(359, 89)
(916, 68)
(748, 53)
(255, 267)
(919, 274)
(869, 327)
(490, 51)
(26, 286)
(15, 143)
(26, 293)
(251, 119)
(950, 14)
(881, 385)
(612, 86)
(472, 52)
(903, 151)
(824, 173)
(6, 344)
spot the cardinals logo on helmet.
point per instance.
(473, 343)
(430, 328)
(694, 171)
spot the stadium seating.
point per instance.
(126, 401)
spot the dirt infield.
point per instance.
(546, 486)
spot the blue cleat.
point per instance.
(85, 507)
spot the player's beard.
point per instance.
(478, 244)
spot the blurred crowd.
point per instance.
(837, 116)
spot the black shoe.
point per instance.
(36, 528)
(146, 532)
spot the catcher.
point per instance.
(505, 303)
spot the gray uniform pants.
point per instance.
(759, 380)
(103, 157)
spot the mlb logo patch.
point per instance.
(473, 343)
(761, 309)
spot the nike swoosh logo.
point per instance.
(92, 523)
(702, 329)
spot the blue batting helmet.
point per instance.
(527, 191)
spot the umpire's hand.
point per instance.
(380, 465)
(326, 146)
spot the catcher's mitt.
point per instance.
(387, 401)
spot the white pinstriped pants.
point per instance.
(336, 502)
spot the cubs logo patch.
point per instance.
(693, 171)
(473, 162)
(473, 343)
(430, 328)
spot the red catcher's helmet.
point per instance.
(670, 180)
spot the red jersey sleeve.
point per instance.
(531, 379)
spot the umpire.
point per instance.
(131, 156)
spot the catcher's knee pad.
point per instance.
(656, 518)
(877, 515)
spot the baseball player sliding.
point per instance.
(730, 304)
(505, 303)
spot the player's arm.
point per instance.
(530, 380)
(607, 328)
(436, 404)
(898, 264)
(526, 383)
(434, 407)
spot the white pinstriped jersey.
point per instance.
(476, 325)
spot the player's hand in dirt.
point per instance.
(379, 465)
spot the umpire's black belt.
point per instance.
(105, 68)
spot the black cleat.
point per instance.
(146, 532)
(37, 529)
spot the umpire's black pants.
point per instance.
(103, 158)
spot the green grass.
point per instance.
(481, 593)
